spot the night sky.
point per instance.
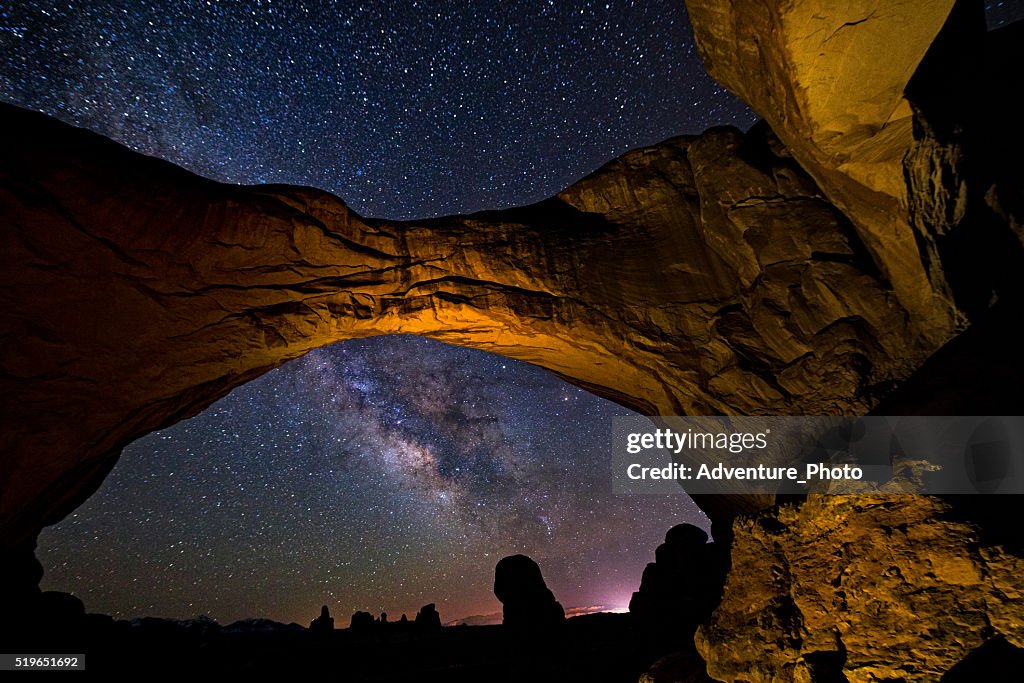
(403, 109)
(378, 474)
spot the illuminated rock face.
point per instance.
(831, 78)
(874, 589)
(894, 110)
(897, 109)
(704, 275)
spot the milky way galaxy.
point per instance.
(376, 475)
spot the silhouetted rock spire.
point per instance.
(683, 584)
(428, 619)
(527, 602)
(324, 622)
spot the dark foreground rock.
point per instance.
(362, 621)
(594, 648)
(528, 605)
(680, 588)
(428, 619)
(324, 622)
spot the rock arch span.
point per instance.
(708, 274)
(704, 275)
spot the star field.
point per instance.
(372, 476)
(382, 103)
(1003, 12)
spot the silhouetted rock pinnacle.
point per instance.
(526, 600)
(428, 619)
(324, 622)
(684, 582)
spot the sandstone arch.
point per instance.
(704, 275)
(709, 274)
